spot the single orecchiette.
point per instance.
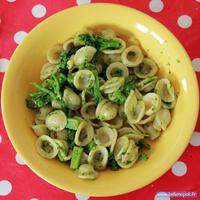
(116, 69)
(106, 110)
(68, 44)
(88, 110)
(86, 171)
(165, 90)
(84, 55)
(84, 134)
(98, 157)
(83, 79)
(53, 53)
(104, 136)
(117, 122)
(132, 56)
(162, 119)
(112, 85)
(56, 120)
(71, 99)
(133, 108)
(151, 131)
(46, 147)
(152, 103)
(146, 68)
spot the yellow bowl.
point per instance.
(159, 43)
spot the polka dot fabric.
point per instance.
(17, 18)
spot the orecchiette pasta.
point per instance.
(98, 103)
(116, 69)
(98, 157)
(84, 79)
(132, 56)
(84, 134)
(112, 85)
(84, 54)
(146, 68)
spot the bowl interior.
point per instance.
(156, 40)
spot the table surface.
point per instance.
(17, 18)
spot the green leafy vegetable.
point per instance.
(70, 80)
(72, 123)
(120, 95)
(76, 157)
(90, 146)
(117, 97)
(99, 42)
(38, 100)
(70, 137)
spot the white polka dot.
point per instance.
(196, 64)
(5, 187)
(3, 64)
(80, 2)
(160, 197)
(195, 140)
(34, 199)
(156, 5)
(0, 139)
(197, 0)
(19, 36)
(184, 21)
(179, 168)
(39, 11)
(19, 160)
(10, 1)
(81, 197)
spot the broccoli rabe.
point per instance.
(117, 97)
(129, 84)
(94, 91)
(70, 80)
(120, 95)
(38, 100)
(99, 42)
(65, 56)
(112, 163)
(47, 93)
(70, 137)
(90, 146)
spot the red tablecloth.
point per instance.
(17, 18)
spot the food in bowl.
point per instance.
(99, 102)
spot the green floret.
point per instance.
(65, 56)
(120, 95)
(70, 80)
(129, 85)
(38, 100)
(94, 91)
(52, 91)
(99, 42)
(117, 97)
